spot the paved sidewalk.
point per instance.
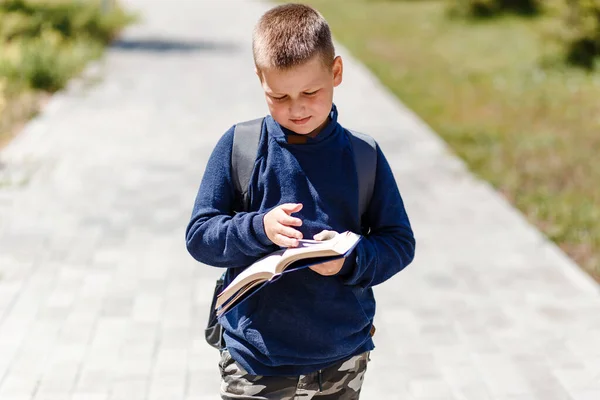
(99, 299)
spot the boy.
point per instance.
(309, 333)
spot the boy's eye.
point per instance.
(311, 93)
(278, 98)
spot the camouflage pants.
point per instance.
(341, 381)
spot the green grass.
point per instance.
(43, 44)
(498, 93)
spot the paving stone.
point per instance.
(82, 395)
(95, 278)
(129, 389)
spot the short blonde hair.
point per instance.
(290, 35)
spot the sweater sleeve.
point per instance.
(390, 244)
(214, 235)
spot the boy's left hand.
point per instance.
(330, 267)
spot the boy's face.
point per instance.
(300, 98)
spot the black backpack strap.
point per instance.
(246, 136)
(213, 333)
(365, 159)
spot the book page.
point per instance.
(275, 263)
(262, 269)
(266, 264)
(338, 245)
(223, 304)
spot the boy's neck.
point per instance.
(318, 130)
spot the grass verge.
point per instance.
(498, 93)
(43, 44)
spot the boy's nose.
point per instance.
(297, 109)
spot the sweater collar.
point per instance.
(282, 135)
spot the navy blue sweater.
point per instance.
(302, 322)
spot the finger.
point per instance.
(289, 232)
(287, 220)
(317, 268)
(322, 269)
(320, 235)
(285, 241)
(290, 208)
(323, 266)
(324, 235)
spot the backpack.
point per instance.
(246, 137)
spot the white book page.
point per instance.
(265, 264)
(338, 245)
(274, 263)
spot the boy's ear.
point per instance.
(338, 71)
(257, 72)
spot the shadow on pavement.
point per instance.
(167, 45)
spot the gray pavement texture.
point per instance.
(99, 299)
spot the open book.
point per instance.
(268, 268)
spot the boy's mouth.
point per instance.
(301, 121)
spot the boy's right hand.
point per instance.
(278, 225)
